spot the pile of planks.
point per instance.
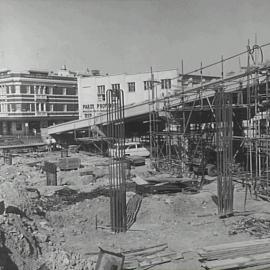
(254, 254)
(147, 257)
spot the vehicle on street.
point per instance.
(131, 149)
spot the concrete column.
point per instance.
(5, 128)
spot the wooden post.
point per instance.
(51, 173)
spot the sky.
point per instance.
(127, 36)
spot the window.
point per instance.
(131, 87)
(32, 107)
(24, 89)
(18, 126)
(166, 84)
(32, 89)
(46, 88)
(19, 107)
(25, 107)
(116, 86)
(132, 147)
(147, 85)
(58, 107)
(71, 91)
(101, 92)
(57, 91)
(12, 89)
(72, 107)
(41, 92)
(13, 107)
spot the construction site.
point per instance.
(198, 198)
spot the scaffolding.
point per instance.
(222, 124)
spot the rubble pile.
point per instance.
(256, 225)
(48, 227)
(27, 238)
(60, 259)
(22, 247)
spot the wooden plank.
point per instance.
(144, 248)
(240, 262)
(261, 246)
(227, 255)
(259, 267)
(236, 245)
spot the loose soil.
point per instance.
(59, 229)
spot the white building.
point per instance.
(92, 88)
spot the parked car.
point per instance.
(131, 149)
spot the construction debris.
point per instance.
(147, 257)
(141, 258)
(133, 207)
(255, 225)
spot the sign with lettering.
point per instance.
(88, 107)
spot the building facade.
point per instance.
(30, 101)
(136, 87)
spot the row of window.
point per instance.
(165, 84)
(39, 89)
(31, 107)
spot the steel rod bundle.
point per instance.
(116, 134)
(223, 110)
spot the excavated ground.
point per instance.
(56, 227)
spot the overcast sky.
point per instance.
(119, 36)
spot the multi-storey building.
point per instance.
(32, 100)
(137, 88)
